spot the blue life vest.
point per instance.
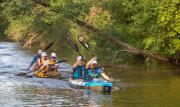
(78, 72)
(94, 72)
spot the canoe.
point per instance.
(95, 84)
(50, 74)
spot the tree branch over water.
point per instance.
(112, 38)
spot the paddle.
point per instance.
(45, 49)
(50, 45)
(82, 40)
(25, 73)
(73, 44)
(58, 62)
(85, 44)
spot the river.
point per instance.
(140, 85)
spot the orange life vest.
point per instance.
(52, 62)
(41, 62)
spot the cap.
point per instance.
(53, 55)
(44, 54)
(39, 51)
(94, 62)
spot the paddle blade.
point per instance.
(61, 61)
(50, 45)
(72, 43)
(84, 42)
(21, 74)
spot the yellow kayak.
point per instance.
(49, 74)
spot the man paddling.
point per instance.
(95, 72)
(35, 58)
(42, 63)
(48, 67)
(52, 70)
(53, 61)
(79, 68)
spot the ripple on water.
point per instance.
(20, 91)
(59, 97)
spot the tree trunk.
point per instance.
(119, 42)
(114, 40)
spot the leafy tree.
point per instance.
(152, 25)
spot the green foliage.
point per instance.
(3, 25)
(3, 22)
(165, 30)
(71, 8)
(153, 25)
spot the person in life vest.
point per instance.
(53, 62)
(35, 58)
(79, 68)
(95, 72)
(42, 63)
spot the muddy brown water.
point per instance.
(141, 85)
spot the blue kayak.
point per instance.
(96, 84)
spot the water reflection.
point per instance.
(60, 97)
(44, 92)
(142, 85)
(148, 86)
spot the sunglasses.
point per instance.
(53, 57)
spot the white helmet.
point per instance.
(44, 54)
(94, 62)
(53, 55)
(39, 51)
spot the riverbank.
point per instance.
(5, 39)
(66, 52)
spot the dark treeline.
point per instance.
(149, 25)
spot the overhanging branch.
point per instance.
(114, 40)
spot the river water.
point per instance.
(140, 85)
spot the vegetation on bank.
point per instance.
(151, 25)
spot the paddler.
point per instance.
(53, 61)
(35, 58)
(52, 71)
(79, 68)
(42, 63)
(93, 71)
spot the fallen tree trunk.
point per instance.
(119, 42)
(114, 40)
